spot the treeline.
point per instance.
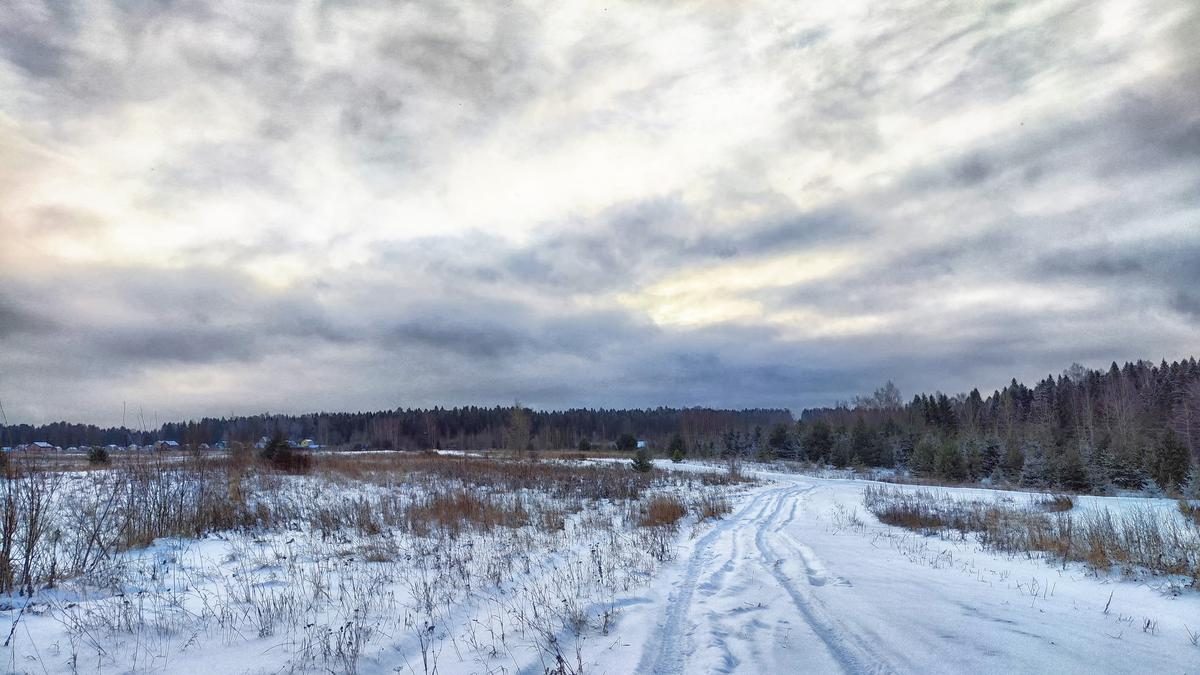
(1135, 426)
(465, 428)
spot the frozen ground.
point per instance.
(798, 578)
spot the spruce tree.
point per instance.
(1171, 463)
(948, 463)
(641, 461)
(677, 448)
(1014, 460)
(924, 456)
(1072, 475)
(1035, 471)
(1191, 489)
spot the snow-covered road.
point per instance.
(800, 579)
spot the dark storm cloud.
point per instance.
(479, 340)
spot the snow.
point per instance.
(788, 583)
(798, 578)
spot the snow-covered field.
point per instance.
(798, 578)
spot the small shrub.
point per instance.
(677, 449)
(1056, 503)
(663, 511)
(451, 511)
(1132, 539)
(712, 506)
(641, 462)
(283, 458)
(1190, 510)
(98, 455)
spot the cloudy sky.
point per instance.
(216, 207)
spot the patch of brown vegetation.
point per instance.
(663, 511)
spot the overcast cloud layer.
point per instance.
(211, 207)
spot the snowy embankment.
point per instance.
(798, 578)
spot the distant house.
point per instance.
(6, 449)
(41, 445)
(641, 444)
(167, 445)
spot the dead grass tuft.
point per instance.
(451, 512)
(1138, 539)
(663, 511)
(1055, 503)
(712, 506)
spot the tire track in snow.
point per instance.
(852, 655)
(664, 652)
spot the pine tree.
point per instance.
(641, 461)
(1014, 460)
(780, 441)
(1171, 463)
(819, 443)
(949, 462)
(1035, 471)
(989, 458)
(1072, 475)
(863, 445)
(1191, 489)
(924, 456)
(677, 448)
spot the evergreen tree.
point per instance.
(1014, 460)
(1035, 472)
(584, 445)
(1172, 462)
(948, 463)
(780, 441)
(1072, 474)
(641, 461)
(990, 455)
(1191, 489)
(819, 443)
(864, 448)
(839, 456)
(924, 456)
(677, 448)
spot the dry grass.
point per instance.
(1055, 503)
(663, 511)
(1190, 510)
(453, 511)
(712, 506)
(1139, 539)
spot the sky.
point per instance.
(219, 207)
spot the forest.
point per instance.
(1135, 426)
